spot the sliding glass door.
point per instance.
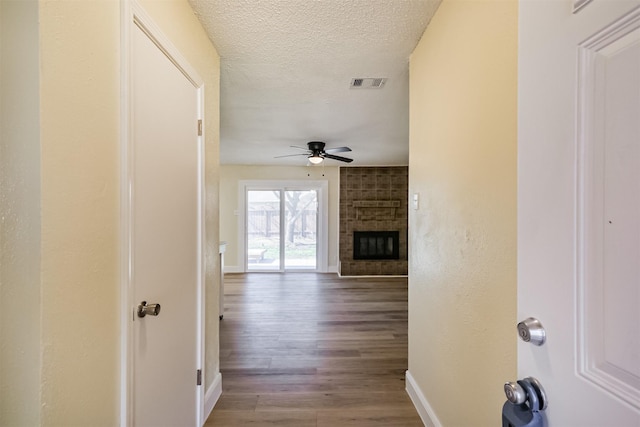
(263, 230)
(301, 229)
(281, 229)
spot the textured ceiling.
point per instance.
(286, 69)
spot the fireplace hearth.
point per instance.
(375, 245)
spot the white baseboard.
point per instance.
(236, 269)
(233, 269)
(425, 410)
(380, 276)
(212, 395)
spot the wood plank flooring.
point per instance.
(307, 349)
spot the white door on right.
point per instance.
(579, 207)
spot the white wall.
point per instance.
(231, 175)
(462, 246)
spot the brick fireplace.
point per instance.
(373, 200)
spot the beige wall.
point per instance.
(230, 175)
(71, 363)
(20, 214)
(79, 97)
(462, 265)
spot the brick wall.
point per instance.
(387, 185)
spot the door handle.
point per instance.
(525, 405)
(150, 309)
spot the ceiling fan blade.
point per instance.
(337, 150)
(291, 155)
(342, 159)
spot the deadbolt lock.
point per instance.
(531, 330)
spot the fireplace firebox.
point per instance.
(375, 245)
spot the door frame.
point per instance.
(322, 240)
(133, 15)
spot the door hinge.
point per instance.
(199, 127)
(199, 377)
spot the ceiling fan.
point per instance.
(316, 152)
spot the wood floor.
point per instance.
(306, 349)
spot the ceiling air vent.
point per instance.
(368, 83)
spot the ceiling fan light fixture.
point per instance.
(315, 159)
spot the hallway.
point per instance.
(307, 349)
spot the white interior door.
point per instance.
(165, 237)
(579, 207)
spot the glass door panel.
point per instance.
(263, 230)
(300, 229)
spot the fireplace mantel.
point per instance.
(376, 210)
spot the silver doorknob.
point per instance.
(150, 309)
(515, 393)
(531, 330)
(527, 390)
